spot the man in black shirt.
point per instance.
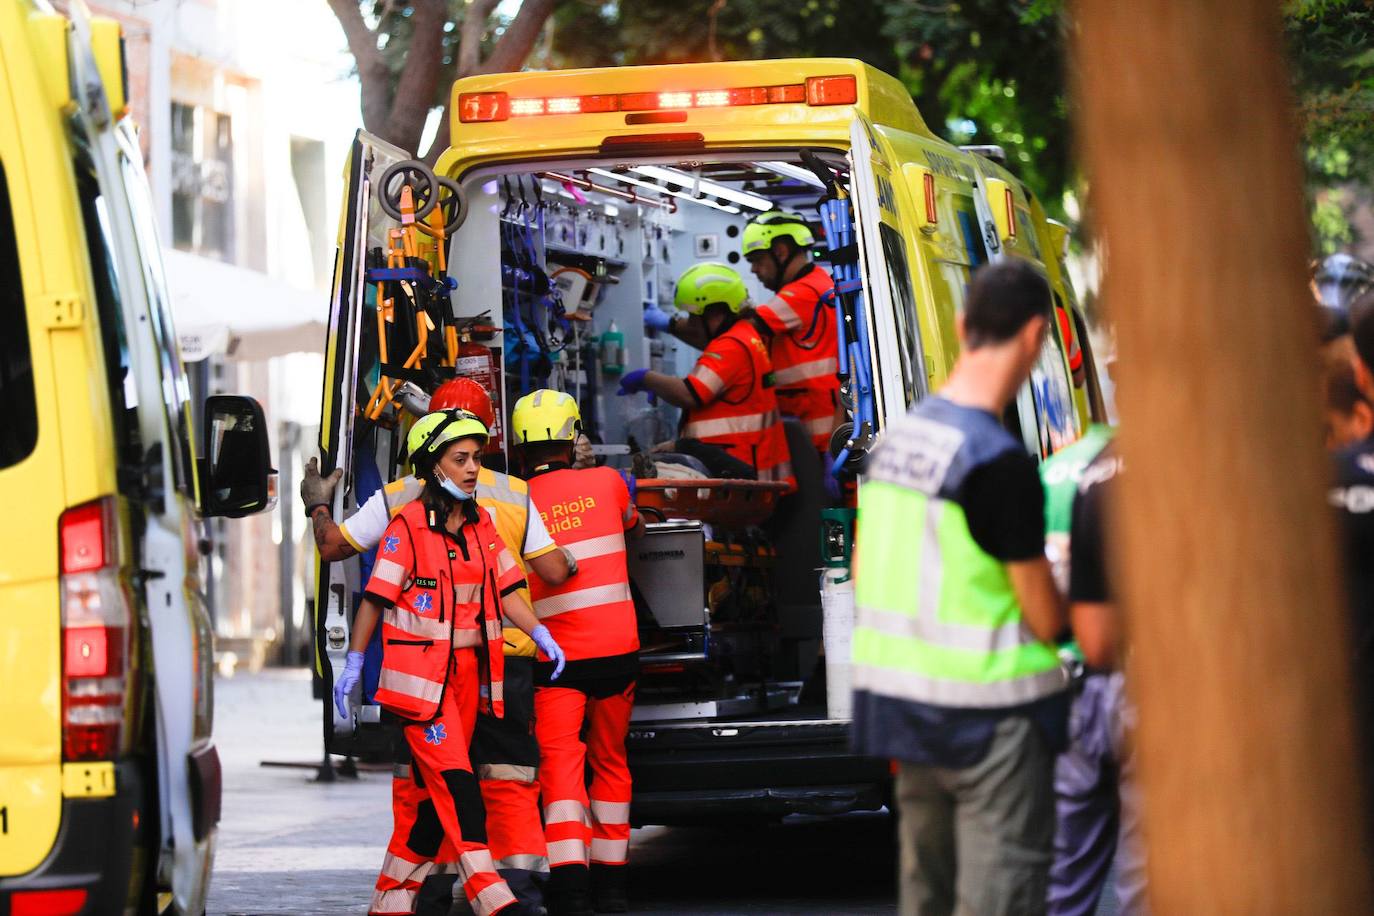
(1108, 719)
(1353, 498)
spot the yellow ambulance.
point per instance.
(565, 206)
(109, 779)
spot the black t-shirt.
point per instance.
(1004, 504)
(1088, 576)
(1353, 497)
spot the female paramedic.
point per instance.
(442, 578)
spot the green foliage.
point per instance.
(595, 34)
(992, 71)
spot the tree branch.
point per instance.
(470, 39)
(372, 75)
(516, 42)
(420, 76)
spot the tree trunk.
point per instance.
(1230, 579)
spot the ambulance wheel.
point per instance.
(453, 205)
(424, 187)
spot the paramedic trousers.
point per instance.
(1097, 804)
(583, 824)
(978, 840)
(506, 756)
(443, 780)
(818, 409)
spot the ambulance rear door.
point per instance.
(893, 293)
(362, 227)
(1050, 417)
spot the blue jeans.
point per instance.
(1098, 805)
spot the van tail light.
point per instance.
(56, 902)
(832, 90)
(96, 618)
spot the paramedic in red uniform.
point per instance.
(728, 398)
(441, 581)
(803, 345)
(503, 750)
(592, 617)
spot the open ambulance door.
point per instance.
(898, 323)
(362, 226)
(1045, 406)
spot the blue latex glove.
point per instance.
(353, 670)
(832, 485)
(632, 382)
(655, 319)
(629, 483)
(544, 640)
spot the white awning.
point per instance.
(221, 308)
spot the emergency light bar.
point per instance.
(481, 107)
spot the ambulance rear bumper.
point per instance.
(694, 773)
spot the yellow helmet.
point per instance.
(433, 431)
(545, 416)
(775, 224)
(704, 284)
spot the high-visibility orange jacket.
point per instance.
(591, 615)
(737, 409)
(804, 349)
(441, 593)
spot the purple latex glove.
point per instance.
(632, 382)
(629, 483)
(655, 319)
(353, 671)
(545, 641)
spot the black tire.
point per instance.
(413, 172)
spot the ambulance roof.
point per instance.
(719, 105)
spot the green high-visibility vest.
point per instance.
(936, 618)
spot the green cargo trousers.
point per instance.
(978, 841)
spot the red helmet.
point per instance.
(465, 394)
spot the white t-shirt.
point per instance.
(364, 528)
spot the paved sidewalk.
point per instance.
(288, 845)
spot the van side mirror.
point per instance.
(236, 473)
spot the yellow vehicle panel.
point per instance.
(881, 97)
(73, 459)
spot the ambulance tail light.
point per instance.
(485, 107)
(832, 90)
(97, 614)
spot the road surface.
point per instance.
(288, 845)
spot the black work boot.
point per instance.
(608, 889)
(569, 891)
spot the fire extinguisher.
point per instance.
(478, 363)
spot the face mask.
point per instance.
(451, 488)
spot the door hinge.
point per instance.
(65, 312)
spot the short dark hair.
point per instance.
(1362, 332)
(1002, 299)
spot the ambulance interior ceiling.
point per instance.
(614, 239)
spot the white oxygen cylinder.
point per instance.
(837, 631)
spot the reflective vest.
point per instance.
(805, 348)
(739, 411)
(591, 615)
(508, 500)
(937, 621)
(441, 593)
